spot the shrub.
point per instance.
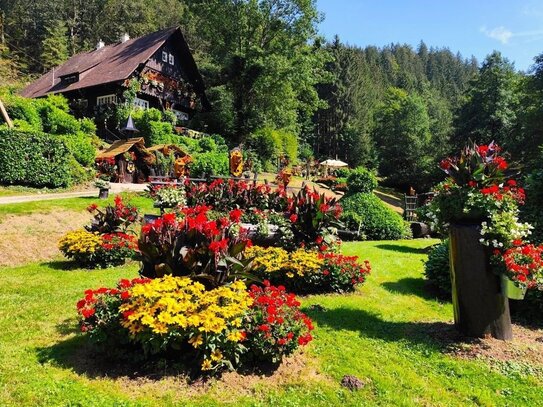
(81, 147)
(377, 221)
(55, 120)
(24, 109)
(168, 196)
(113, 218)
(210, 163)
(34, 159)
(207, 144)
(361, 180)
(265, 145)
(92, 250)
(436, 268)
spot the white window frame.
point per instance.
(171, 59)
(164, 56)
(106, 100)
(181, 116)
(141, 103)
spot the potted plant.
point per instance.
(103, 186)
(477, 206)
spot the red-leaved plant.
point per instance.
(113, 218)
(207, 250)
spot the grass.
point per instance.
(76, 204)
(382, 334)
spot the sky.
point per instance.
(476, 27)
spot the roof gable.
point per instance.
(111, 63)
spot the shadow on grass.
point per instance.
(410, 285)
(437, 336)
(80, 355)
(63, 265)
(404, 249)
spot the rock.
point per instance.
(352, 382)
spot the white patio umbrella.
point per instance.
(334, 163)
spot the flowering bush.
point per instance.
(522, 263)
(113, 218)
(207, 330)
(305, 271)
(92, 250)
(275, 325)
(204, 249)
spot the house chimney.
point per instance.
(100, 44)
(125, 37)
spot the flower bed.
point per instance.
(208, 330)
(105, 241)
(308, 272)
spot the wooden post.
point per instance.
(5, 115)
(480, 309)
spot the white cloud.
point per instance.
(500, 33)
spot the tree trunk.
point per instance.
(480, 309)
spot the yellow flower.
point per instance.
(216, 355)
(196, 340)
(234, 336)
(206, 364)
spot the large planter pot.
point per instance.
(480, 308)
(510, 290)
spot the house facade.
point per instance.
(161, 62)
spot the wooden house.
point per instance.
(161, 62)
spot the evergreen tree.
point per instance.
(489, 113)
(54, 46)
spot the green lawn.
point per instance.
(381, 334)
(144, 204)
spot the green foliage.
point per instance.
(24, 109)
(82, 148)
(55, 45)
(152, 127)
(376, 220)
(55, 120)
(361, 180)
(269, 143)
(34, 159)
(207, 144)
(436, 268)
(489, 113)
(210, 163)
(402, 130)
(531, 212)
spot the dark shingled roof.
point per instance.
(111, 63)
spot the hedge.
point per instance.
(376, 220)
(361, 180)
(34, 159)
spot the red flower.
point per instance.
(472, 184)
(235, 215)
(125, 295)
(264, 328)
(87, 312)
(445, 164)
(293, 218)
(319, 240)
(218, 246)
(92, 207)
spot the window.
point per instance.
(181, 116)
(106, 100)
(141, 103)
(171, 59)
(164, 56)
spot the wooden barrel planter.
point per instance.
(480, 307)
(103, 193)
